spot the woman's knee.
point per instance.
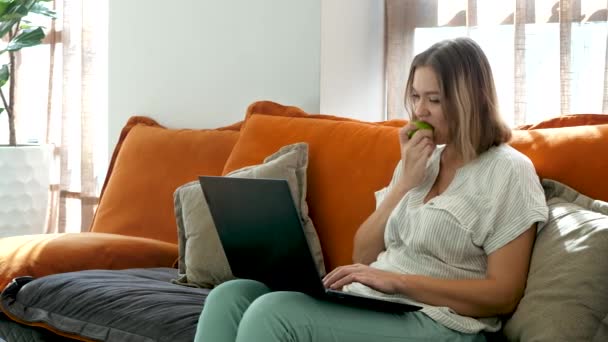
(275, 315)
(238, 288)
(281, 302)
(239, 292)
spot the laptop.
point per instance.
(263, 239)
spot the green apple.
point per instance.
(419, 125)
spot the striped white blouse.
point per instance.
(490, 201)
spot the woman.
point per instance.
(453, 231)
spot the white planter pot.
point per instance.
(24, 189)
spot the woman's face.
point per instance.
(427, 102)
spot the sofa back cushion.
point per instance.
(569, 121)
(276, 109)
(348, 161)
(575, 156)
(148, 164)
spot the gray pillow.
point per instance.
(202, 261)
(565, 297)
(602, 332)
(135, 305)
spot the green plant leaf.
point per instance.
(43, 10)
(26, 38)
(4, 6)
(15, 10)
(1, 110)
(6, 26)
(4, 75)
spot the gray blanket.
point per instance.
(14, 332)
(128, 305)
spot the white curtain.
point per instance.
(61, 100)
(548, 57)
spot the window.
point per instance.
(543, 65)
(61, 99)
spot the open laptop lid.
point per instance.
(261, 232)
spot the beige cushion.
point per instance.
(202, 260)
(566, 296)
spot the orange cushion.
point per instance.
(44, 254)
(575, 156)
(348, 162)
(149, 163)
(569, 121)
(276, 109)
(340, 197)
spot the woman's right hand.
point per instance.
(415, 153)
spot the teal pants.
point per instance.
(246, 310)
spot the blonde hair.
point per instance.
(468, 95)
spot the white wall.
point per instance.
(200, 63)
(352, 58)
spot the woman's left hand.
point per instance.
(379, 280)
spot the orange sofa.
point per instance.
(135, 224)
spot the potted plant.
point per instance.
(24, 169)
